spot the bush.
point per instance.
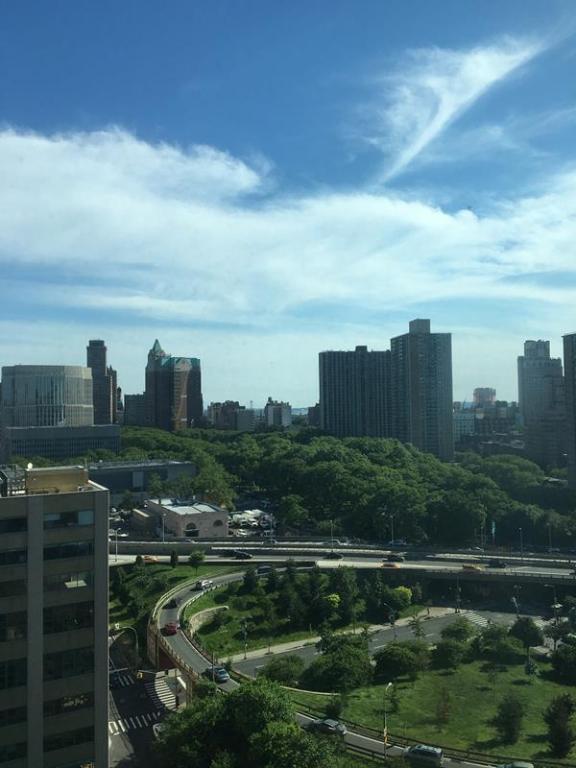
(397, 660)
(449, 654)
(340, 670)
(508, 719)
(460, 629)
(284, 669)
(557, 717)
(495, 644)
(564, 664)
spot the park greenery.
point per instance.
(366, 486)
(252, 726)
(290, 605)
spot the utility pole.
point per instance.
(386, 717)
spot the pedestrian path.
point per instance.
(123, 679)
(482, 621)
(123, 724)
(160, 693)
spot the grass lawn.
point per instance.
(473, 698)
(120, 614)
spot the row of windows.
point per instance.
(71, 549)
(68, 704)
(12, 626)
(12, 752)
(13, 525)
(61, 582)
(12, 673)
(68, 663)
(66, 618)
(69, 519)
(69, 739)
(13, 557)
(13, 588)
(12, 716)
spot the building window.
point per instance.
(62, 664)
(191, 531)
(12, 673)
(218, 523)
(12, 626)
(60, 582)
(13, 557)
(12, 752)
(13, 525)
(72, 549)
(69, 519)
(67, 618)
(68, 704)
(12, 716)
(68, 739)
(13, 588)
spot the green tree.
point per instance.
(443, 708)
(139, 561)
(173, 559)
(284, 669)
(272, 581)
(564, 663)
(460, 629)
(250, 581)
(397, 660)
(196, 558)
(449, 654)
(525, 630)
(417, 627)
(344, 665)
(155, 487)
(286, 745)
(557, 717)
(509, 718)
(557, 631)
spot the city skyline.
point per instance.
(253, 211)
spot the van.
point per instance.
(424, 754)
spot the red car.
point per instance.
(171, 628)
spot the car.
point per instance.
(394, 558)
(262, 569)
(157, 729)
(327, 725)
(470, 567)
(203, 584)
(240, 554)
(217, 674)
(390, 565)
(422, 753)
(171, 628)
(150, 559)
(172, 603)
(497, 562)
(517, 764)
(334, 556)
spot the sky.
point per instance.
(254, 182)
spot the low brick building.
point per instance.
(190, 519)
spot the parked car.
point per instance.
(203, 584)
(394, 558)
(240, 554)
(422, 753)
(171, 628)
(497, 562)
(327, 725)
(218, 674)
(172, 603)
(334, 556)
(389, 565)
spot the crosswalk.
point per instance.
(123, 679)
(481, 621)
(160, 693)
(124, 724)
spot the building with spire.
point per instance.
(173, 396)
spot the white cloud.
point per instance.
(176, 241)
(431, 88)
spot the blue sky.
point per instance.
(253, 182)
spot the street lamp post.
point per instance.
(332, 535)
(163, 524)
(116, 545)
(388, 686)
(521, 544)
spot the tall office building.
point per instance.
(47, 396)
(421, 390)
(173, 390)
(54, 619)
(104, 383)
(570, 395)
(541, 401)
(484, 396)
(354, 393)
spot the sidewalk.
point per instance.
(434, 613)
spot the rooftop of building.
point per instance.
(41, 480)
(143, 463)
(182, 507)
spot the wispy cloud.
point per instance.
(430, 88)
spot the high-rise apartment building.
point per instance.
(570, 395)
(277, 413)
(484, 396)
(354, 393)
(104, 383)
(53, 619)
(173, 390)
(421, 390)
(46, 396)
(541, 400)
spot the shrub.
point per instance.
(284, 669)
(508, 719)
(460, 629)
(449, 654)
